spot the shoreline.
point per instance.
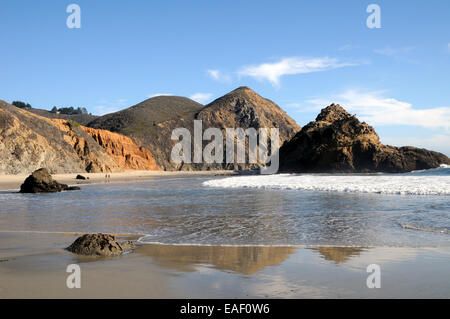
(13, 182)
(34, 265)
(137, 239)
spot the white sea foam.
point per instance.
(401, 184)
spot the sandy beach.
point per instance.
(33, 265)
(33, 259)
(13, 182)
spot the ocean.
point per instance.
(354, 210)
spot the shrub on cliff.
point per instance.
(21, 105)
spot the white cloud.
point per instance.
(290, 66)
(218, 76)
(348, 47)
(103, 109)
(440, 142)
(201, 97)
(388, 51)
(106, 107)
(215, 74)
(377, 109)
(159, 94)
(293, 105)
(448, 47)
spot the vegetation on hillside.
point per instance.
(69, 110)
(21, 105)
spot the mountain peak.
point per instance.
(242, 93)
(243, 90)
(332, 113)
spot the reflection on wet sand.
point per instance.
(339, 254)
(241, 259)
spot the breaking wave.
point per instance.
(427, 182)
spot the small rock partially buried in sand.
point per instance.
(40, 181)
(80, 177)
(99, 245)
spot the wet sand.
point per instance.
(13, 182)
(33, 265)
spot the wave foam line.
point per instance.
(378, 184)
(441, 231)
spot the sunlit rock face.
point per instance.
(338, 142)
(29, 142)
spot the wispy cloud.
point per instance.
(348, 47)
(377, 109)
(201, 97)
(290, 66)
(218, 75)
(106, 107)
(448, 47)
(399, 53)
(440, 142)
(389, 51)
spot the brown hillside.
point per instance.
(29, 141)
(151, 122)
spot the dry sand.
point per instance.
(33, 265)
(13, 182)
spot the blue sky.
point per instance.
(302, 55)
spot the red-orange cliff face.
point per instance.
(123, 150)
(29, 142)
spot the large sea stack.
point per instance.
(338, 142)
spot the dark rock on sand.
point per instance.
(80, 177)
(99, 245)
(338, 142)
(40, 181)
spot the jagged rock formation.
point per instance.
(151, 122)
(99, 245)
(338, 142)
(93, 155)
(42, 182)
(29, 141)
(244, 108)
(124, 151)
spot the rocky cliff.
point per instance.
(244, 108)
(151, 122)
(29, 142)
(124, 151)
(338, 142)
